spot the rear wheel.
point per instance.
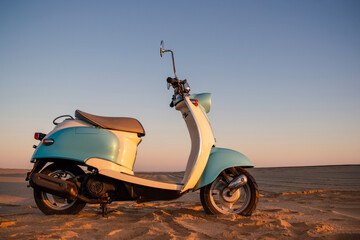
(51, 204)
(216, 199)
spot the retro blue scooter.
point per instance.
(90, 159)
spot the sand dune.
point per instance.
(301, 203)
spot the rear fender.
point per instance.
(79, 144)
(40, 163)
(219, 160)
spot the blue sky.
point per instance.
(285, 75)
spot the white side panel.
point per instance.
(128, 147)
(202, 140)
(110, 169)
(102, 164)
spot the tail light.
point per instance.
(39, 136)
(48, 141)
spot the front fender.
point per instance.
(219, 160)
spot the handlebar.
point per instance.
(175, 82)
(181, 87)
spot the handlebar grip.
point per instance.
(172, 80)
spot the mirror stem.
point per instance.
(172, 56)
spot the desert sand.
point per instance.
(295, 203)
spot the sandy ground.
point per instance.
(295, 203)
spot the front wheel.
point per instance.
(215, 197)
(51, 204)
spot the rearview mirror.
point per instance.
(162, 50)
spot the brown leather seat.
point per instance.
(115, 123)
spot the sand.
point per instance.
(295, 203)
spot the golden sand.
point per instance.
(295, 203)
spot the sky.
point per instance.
(284, 75)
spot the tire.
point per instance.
(243, 201)
(50, 204)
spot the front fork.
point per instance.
(237, 182)
(233, 170)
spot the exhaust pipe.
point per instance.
(54, 186)
(61, 188)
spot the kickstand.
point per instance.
(104, 209)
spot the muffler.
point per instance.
(54, 186)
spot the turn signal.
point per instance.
(48, 141)
(195, 102)
(39, 136)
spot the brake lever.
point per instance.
(172, 101)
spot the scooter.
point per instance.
(90, 159)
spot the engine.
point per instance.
(99, 187)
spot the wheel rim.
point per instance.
(56, 202)
(229, 204)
